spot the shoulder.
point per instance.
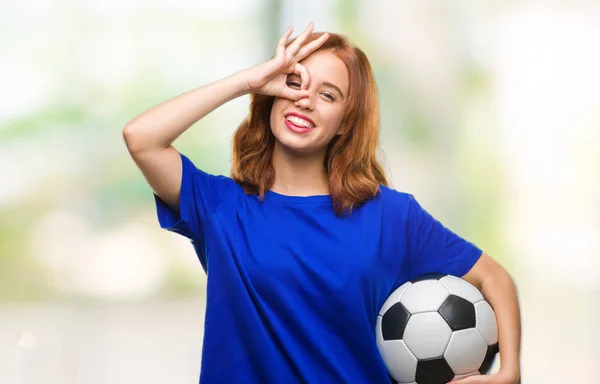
(190, 168)
(391, 204)
(393, 198)
(211, 188)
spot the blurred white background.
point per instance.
(490, 116)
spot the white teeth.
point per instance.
(298, 121)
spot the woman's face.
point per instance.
(308, 125)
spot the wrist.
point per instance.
(239, 83)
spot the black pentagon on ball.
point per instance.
(429, 276)
(458, 313)
(489, 359)
(394, 322)
(435, 371)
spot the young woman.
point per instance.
(304, 242)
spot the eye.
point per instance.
(293, 84)
(329, 96)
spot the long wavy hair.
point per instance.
(351, 163)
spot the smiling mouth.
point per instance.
(299, 122)
(297, 128)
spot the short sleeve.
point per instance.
(433, 248)
(200, 197)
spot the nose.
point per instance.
(306, 103)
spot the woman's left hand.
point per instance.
(498, 378)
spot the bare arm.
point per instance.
(149, 136)
(158, 127)
(499, 290)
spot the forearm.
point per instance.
(500, 291)
(159, 126)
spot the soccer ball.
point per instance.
(435, 329)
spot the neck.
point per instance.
(299, 174)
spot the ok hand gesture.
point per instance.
(269, 78)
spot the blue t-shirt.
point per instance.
(293, 291)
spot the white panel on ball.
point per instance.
(423, 296)
(462, 288)
(394, 297)
(427, 335)
(466, 351)
(404, 366)
(486, 322)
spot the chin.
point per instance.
(294, 146)
(294, 143)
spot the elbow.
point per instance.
(132, 138)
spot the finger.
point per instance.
(293, 48)
(312, 46)
(301, 71)
(280, 49)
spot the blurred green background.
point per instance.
(490, 116)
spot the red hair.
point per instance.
(351, 163)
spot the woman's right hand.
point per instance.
(269, 78)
